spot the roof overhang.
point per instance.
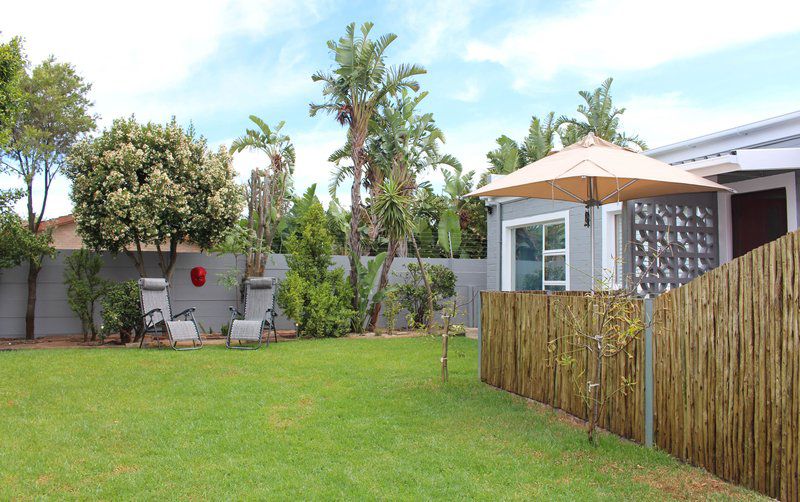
(757, 159)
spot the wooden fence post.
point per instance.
(648, 372)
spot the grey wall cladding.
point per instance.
(54, 317)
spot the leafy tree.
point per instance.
(470, 212)
(54, 114)
(359, 83)
(12, 67)
(84, 288)
(152, 184)
(267, 188)
(315, 296)
(598, 116)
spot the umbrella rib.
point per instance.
(618, 190)
(564, 190)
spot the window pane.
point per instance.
(528, 258)
(555, 288)
(555, 268)
(555, 237)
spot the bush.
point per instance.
(414, 297)
(84, 288)
(391, 308)
(316, 298)
(121, 310)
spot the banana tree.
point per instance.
(352, 92)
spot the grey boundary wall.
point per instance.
(54, 317)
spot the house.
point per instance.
(65, 236)
(544, 244)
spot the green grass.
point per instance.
(351, 418)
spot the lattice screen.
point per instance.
(689, 223)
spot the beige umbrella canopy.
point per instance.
(594, 172)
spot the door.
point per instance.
(757, 218)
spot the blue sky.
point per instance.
(681, 68)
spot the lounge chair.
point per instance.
(158, 319)
(259, 313)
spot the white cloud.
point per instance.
(598, 37)
(136, 49)
(469, 93)
(668, 118)
(437, 28)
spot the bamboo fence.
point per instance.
(727, 370)
(516, 330)
(726, 366)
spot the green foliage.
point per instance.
(152, 184)
(510, 155)
(450, 232)
(12, 67)
(366, 280)
(413, 296)
(17, 243)
(598, 116)
(84, 287)
(316, 298)
(391, 308)
(121, 311)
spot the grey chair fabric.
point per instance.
(259, 312)
(158, 318)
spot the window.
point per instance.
(613, 245)
(540, 256)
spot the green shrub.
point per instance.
(391, 308)
(413, 296)
(121, 310)
(317, 299)
(84, 288)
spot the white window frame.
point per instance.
(508, 244)
(609, 237)
(786, 180)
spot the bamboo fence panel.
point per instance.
(517, 328)
(727, 370)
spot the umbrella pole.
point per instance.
(591, 242)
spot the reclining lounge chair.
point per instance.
(259, 313)
(158, 319)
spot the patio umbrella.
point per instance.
(594, 172)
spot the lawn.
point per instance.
(350, 418)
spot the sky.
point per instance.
(681, 68)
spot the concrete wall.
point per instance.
(54, 317)
(579, 259)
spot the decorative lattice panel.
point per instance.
(672, 242)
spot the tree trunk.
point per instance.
(425, 280)
(358, 138)
(595, 394)
(382, 282)
(30, 311)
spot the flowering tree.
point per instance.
(152, 184)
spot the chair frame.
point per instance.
(155, 328)
(268, 318)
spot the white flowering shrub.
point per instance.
(153, 184)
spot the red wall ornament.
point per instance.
(198, 275)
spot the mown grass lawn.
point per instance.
(328, 419)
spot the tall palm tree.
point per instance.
(352, 92)
(598, 116)
(266, 189)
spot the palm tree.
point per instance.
(599, 117)
(266, 190)
(352, 92)
(393, 206)
(406, 145)
(510, 155)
